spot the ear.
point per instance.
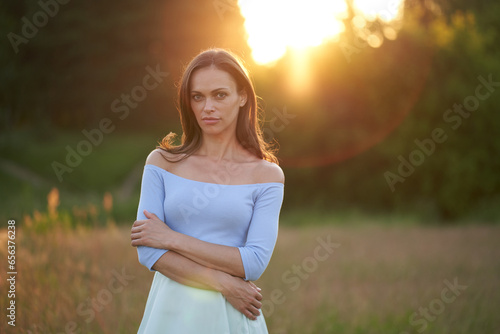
(243, 97)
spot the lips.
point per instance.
(210, 120)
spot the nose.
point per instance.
(209, 106)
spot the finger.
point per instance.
(137, 242)
(255, 286)
(249, 315)
(257, 304)
(135, 229)
(258, 296)
(254, 311)
(139, 223)
(150, 215)
(138, 227)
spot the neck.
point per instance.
(218, 148)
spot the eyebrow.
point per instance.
(213, 91)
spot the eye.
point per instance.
(221, 95)
(196, 97)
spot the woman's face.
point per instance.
(215, 100)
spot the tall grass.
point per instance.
(89, 215)
(103, 170)
(78, 274)
(372, 282)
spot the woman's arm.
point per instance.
(153, 232)
(248, 262)
(244, 296)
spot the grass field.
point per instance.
(347, 272)
(367, 279)
(106, 168)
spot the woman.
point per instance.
(209, 208)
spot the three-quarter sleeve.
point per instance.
(262, 232)
(152, 199)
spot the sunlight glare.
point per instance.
(276, 26)
(385, 10)
(374, 40)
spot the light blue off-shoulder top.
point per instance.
(244, 216)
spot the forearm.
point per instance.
(186, 271)
(154, 233)
(218, 257)
(244, 296)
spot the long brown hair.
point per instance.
(248, 131)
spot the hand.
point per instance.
(151, 232)
(243, 295)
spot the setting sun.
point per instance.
(275, 26)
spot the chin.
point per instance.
(211, 130)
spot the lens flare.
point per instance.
(275, 26)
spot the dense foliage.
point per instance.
(407, 126)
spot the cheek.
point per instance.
(231, 112)
(233, 106)
(196, 109)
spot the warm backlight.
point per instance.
(274, 26)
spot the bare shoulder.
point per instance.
(269, 172)
(160, 158)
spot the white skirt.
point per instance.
(174, 308)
